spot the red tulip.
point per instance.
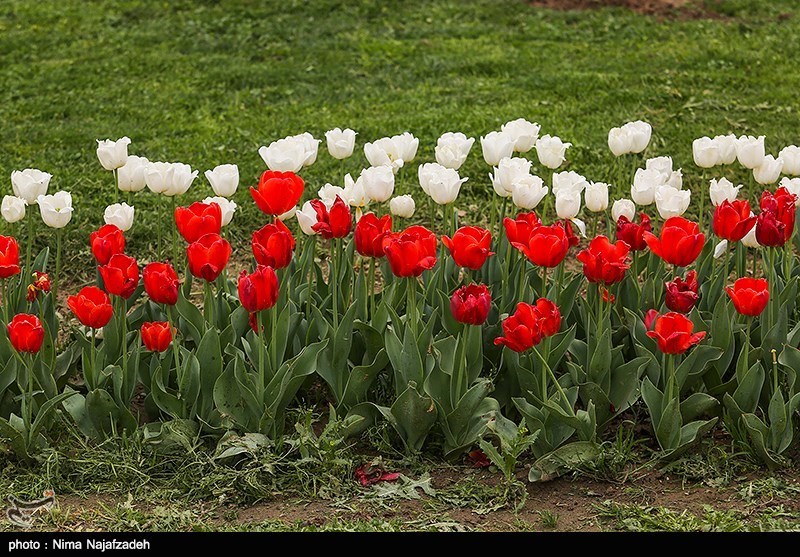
(770, 231)
(411, 251)
(732, 220)
(156, 335)
(775, 222)
(650, 318)
(520, 229)
(674, 333)
(198, 219)
(603, 261)
(549, 317)
(749, 295)
(41, 283)
(682, 295)
(680, 243)
(335, 222)
(161, 283)
(120, 275)
(106, 241)
(370, 233)
(470, 246)
(258, 290)
(26, 333)
(208, 256)
(273, 245)
(546, 246)
(277, 192)
(572, 238)
(522, 329)
(471, 304)
(9, 257)
(92, 307)
(632, 233)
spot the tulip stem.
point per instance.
(371, 280)
(411, 309)
(544, 282)
(174, 234)
(174, 325)
(461, 368)
(89, 374)
(59, 241)
(29, 250)
(208, 303)
(123, 317)
(28, 406)
(261, 323)
(669, 369)
(276, 358)
(5, 301)
(333, 280)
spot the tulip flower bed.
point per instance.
(526, 337)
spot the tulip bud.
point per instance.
(619, 141)
(496, 146)
(56, 209)
(671, 202)
(228, 208)
(623, 207)
(378, 183)
(13, 208)
(120, 215)
(341, 143)
(402, 206)
(508, 171)
(551, 151)
(722, 190)
(791, 160)
(130, 177)
(769, 170)
(113, 154)
(596, 197)
(224, 179)
(452, 149)
(750, 151)
(568, 204)
(523, 133)
(29, 184)
(528, 191)
(705, 152)
(722, 247)
(726, 148)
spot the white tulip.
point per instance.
(56, 209)
(551, 151)
(769, 170)
(13, 208)
(675, 179)
(722, 190)
(307, 218)
(623, 207)
(285, 216)
(341, 142)
(378, 183)
(311, 146)
(721, 248)
(355, 194)
(452, 149)
(750, 151)
(328, 193)
(705, 152)
(286, 155)
(726, 147)
(791, 160)
(671, 202)
(528, 191)
(444, 184)
(384, 152)
(596, 197)
(29, 184)
(130, 176)
(639, 133)
(569, 180)
(181, 177)
(508, 171)
(496, 146)
(619, 141)
(228, 208)
(749, 239)
(120, 215)
(644, 186)
(425, 173)
(113, 154)
(792, 185)
(662, 165)
(568, 204)
(402, 206)
(158, 176)
(523, 133)
(406, 146)
(224, 179)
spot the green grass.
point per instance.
(208, 82)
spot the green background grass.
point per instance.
(207, 82)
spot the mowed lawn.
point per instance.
(207, 82)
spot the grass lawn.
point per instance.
(207, 82)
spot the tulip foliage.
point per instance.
(520, 335)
